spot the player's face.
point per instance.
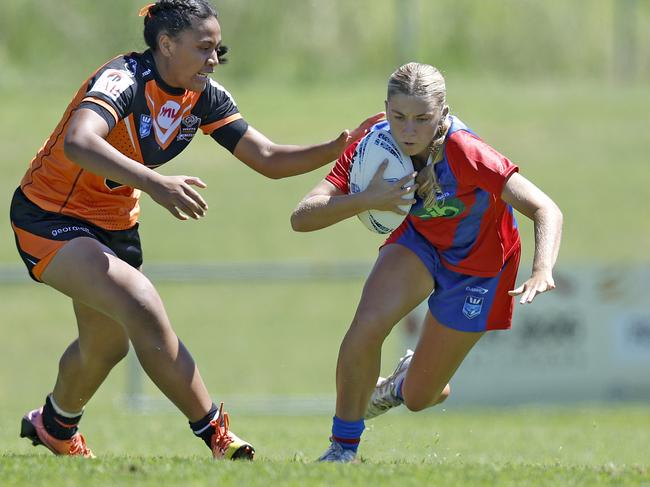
(193, 55)
(413, 122)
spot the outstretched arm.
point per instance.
(279, 161)
(326, 205)
(529, 200)
(85, 145)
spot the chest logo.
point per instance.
(145, 126)
(450, 208)
(189, 127)
(167, 120)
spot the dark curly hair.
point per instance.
(175, 16)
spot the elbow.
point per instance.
(274, 175)
(298, 223)
(302, 221)
(73, 145)
(558, 216)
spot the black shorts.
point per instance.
(40, 234)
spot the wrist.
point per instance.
(147, 179)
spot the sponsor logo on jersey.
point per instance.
(445, 207)
(145, 125)
(58, 231)
(189, 128)
(112, 83)
(146, 72)
(132, 66)
(472, 307)
(477, 289)
(168, 119)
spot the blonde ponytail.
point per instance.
(429, 189)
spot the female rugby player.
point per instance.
(75, 214)
(459, 246)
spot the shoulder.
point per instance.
(216, 91)
(117, 77)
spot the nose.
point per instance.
(409, 126)
(213, 60)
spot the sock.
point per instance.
(202, 427)
(59, 423)
(347, 433)
(398, 390)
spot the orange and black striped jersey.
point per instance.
(150, 122)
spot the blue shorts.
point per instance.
(461, 301)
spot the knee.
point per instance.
(370, 326)
(418, 402)
(142, 300)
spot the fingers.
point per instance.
(195, 181)
(174, 211)
(183, 201)
(370, 121)
(407, 179)
(529, 290)
(379, 173)
(196, 198)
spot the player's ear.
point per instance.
(165, 45)
(386, 106)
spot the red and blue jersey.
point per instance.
(471, 227)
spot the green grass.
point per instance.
(582, 142)
(281, 339)
(584, 446)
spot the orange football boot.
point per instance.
(32, 428)
(225, 444)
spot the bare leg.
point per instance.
(91, 275)
(397, 283)
(102, 343)
(439, 353)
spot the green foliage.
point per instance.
(309, 40)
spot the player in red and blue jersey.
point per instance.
(458, 247)
(75, 214)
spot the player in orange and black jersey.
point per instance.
(75, 214)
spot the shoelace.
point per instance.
(221, 438)
(78, 446)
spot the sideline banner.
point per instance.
(588, 340)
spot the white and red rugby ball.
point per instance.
(374, 149)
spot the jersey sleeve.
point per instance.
(220, 116)
(475, 163)
(339, 176)
(110, 91)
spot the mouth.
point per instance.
(204, 75)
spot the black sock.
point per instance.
(61, 427)
(202, 428)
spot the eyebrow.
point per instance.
(397, 112)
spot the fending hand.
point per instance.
(537, 283)
(347, 137)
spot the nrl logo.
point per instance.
(190, 125)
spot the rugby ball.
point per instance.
(373, 149)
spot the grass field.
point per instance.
(237, 347)
(585, 446)
(584, 142)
